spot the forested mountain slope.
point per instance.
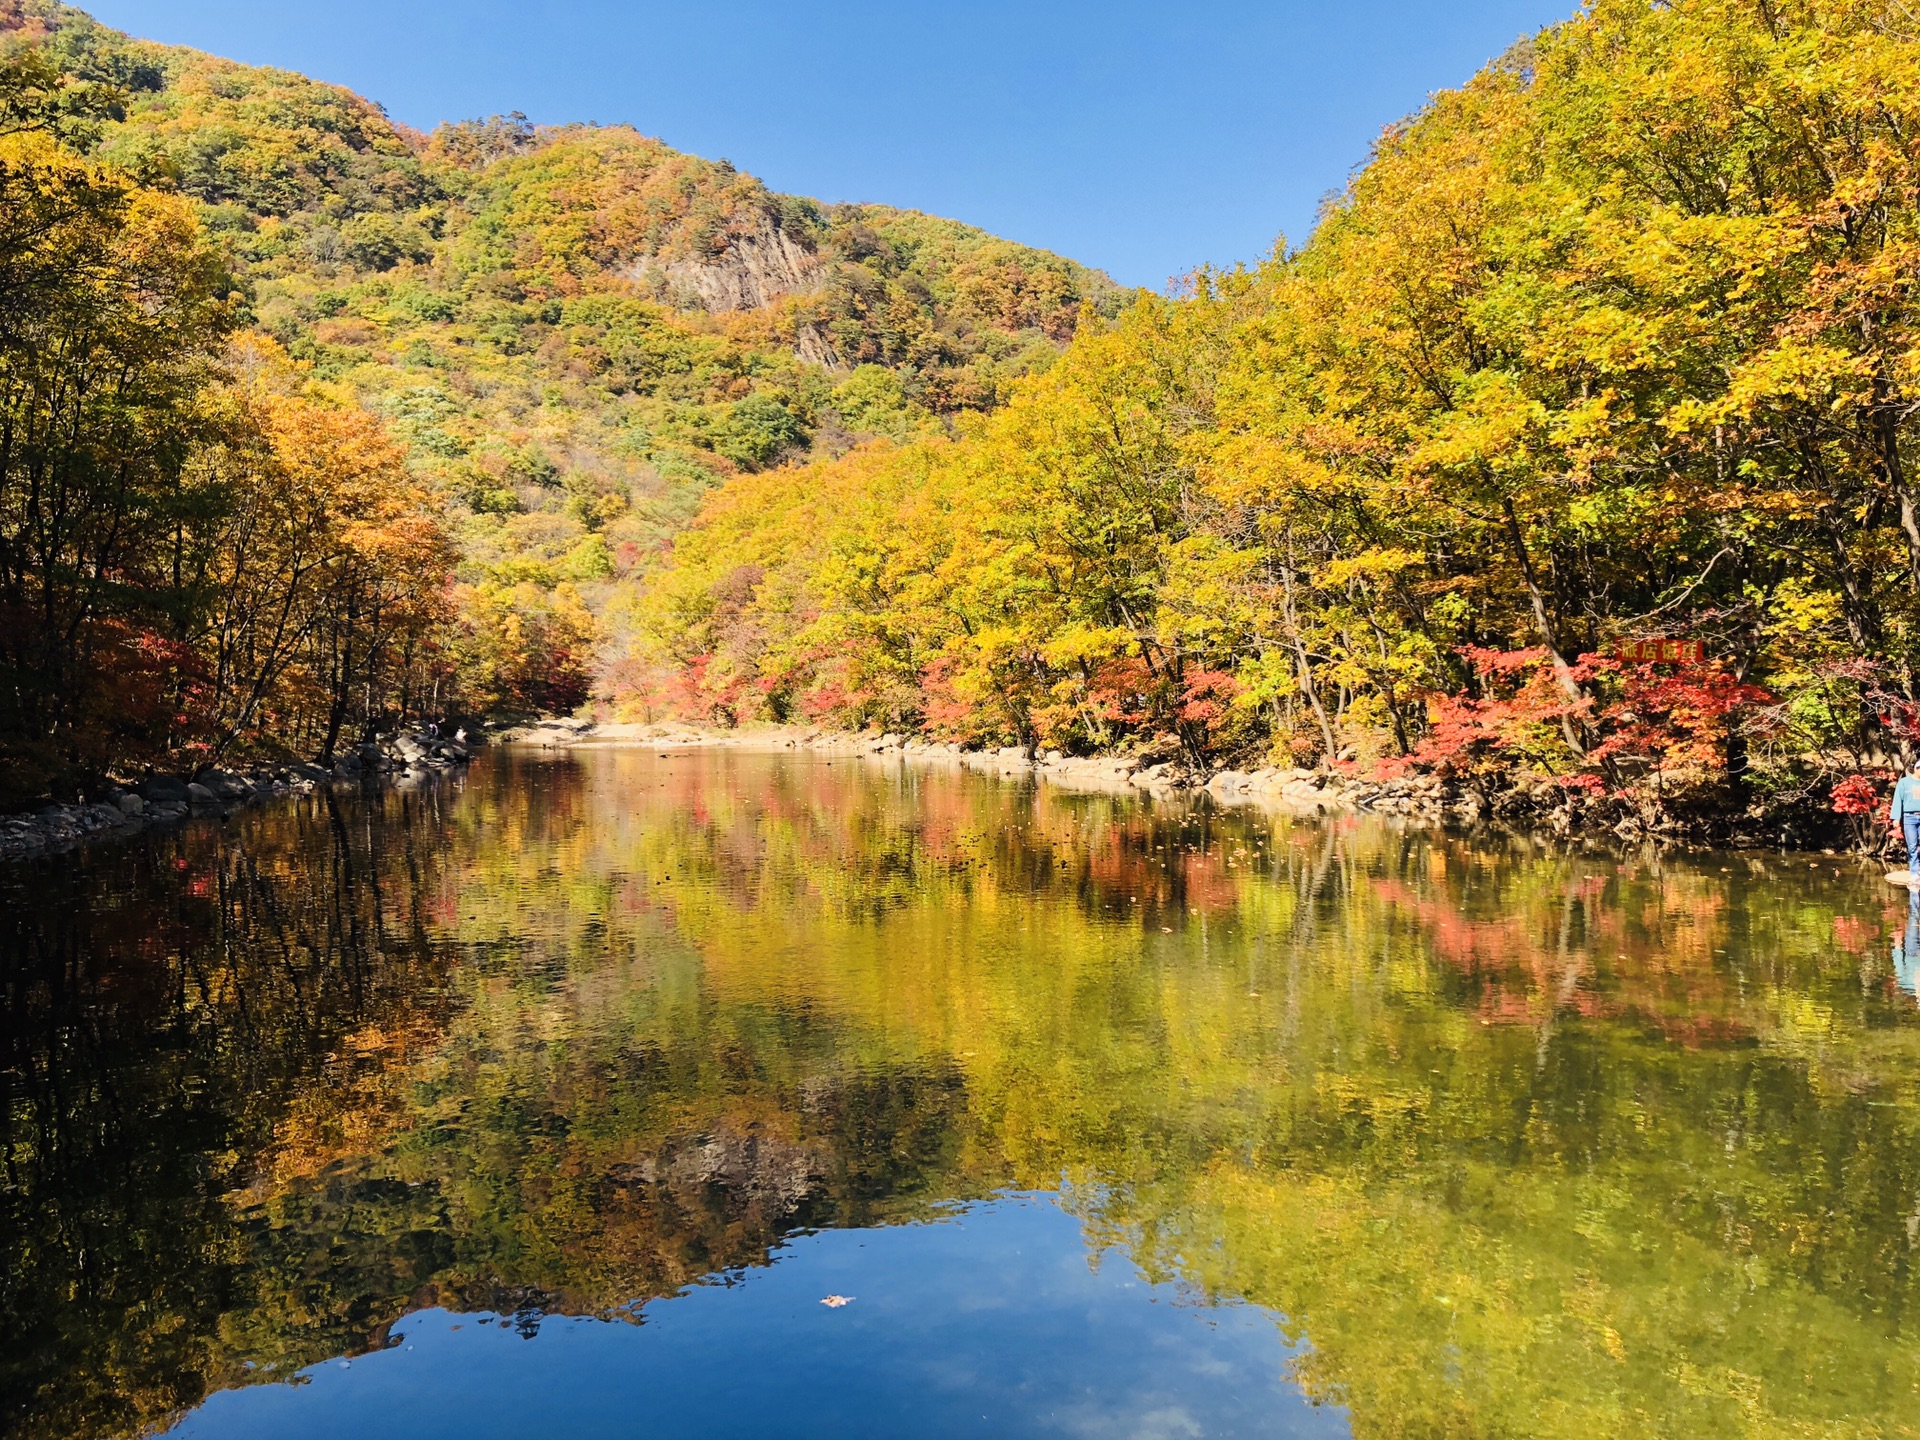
(573, 331)
(1571, 461)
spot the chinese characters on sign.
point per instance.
(1667, 652)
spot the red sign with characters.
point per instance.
(1662, 652)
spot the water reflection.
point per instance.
(1906, 947)
(985, 1322)
(1520, 1139)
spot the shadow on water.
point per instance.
(1518, 1140)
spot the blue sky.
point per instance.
(1142, 138)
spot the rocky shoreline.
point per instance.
(163, 800)
(1543, 809)
(166, 800)
(1292, 791)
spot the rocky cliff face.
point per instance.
(756, 269)
(811, 344)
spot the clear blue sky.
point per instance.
(1144, 138)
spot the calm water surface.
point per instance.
(556, 1100)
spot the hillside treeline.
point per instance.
(1614, 346)
(574, 331)
(316, 421)
(199, 544)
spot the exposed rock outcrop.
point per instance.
(755, 269)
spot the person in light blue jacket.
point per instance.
(1905, 815)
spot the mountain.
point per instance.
(576, 331)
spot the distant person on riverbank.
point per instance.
(1905, 815)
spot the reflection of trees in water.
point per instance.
(1523, 1141)
(214, 1177)
(533, 1225)
(164, 1004)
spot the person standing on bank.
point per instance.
(1904, 814)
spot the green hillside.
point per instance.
(1570, 463)
(575, 331)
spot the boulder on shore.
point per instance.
(225, 785)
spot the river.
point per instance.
(713, 1093)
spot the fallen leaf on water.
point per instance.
(834, 1302)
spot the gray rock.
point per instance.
(307, 771)
(198, 794)
(164, 788)
(225, 785)
(130, 803)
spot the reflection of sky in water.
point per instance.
(989, 1323)
(1528, 1139)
